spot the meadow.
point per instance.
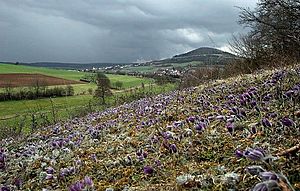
(241, 133)
(12, 112)
(128, 81)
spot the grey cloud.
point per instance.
(113, 31)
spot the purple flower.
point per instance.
(200, 126)
(230, 120)
(243, 112)
(230, 127)
(173, 148)
(157, 162)
(177, 124)
(18, 182)
(145, 154)
(88, 181)
(253, 89)
(267, 185)
(255, 170)
(257, 109)
(2, 161)
(64, 172)
(78, 162)
(191, 119)
(247, 95)
(72, 170)
(260, 187)
(167, 135)
(253, 103)
(148, 170)
(5, 188)
(220, 117)
(139, 152)
(253, 130)
(287, 122)
(77, 186)
(94, 157)
(239, 154)
(273, 115)
(268, 176)
(128, 159)
(235, 110)
(49, 177)
(254, 154)
(290, 93)
(266, 123)
(50, 170)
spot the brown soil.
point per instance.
(20, 80)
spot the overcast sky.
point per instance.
(113, 30)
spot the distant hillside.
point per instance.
(204, 54)
(204, 51)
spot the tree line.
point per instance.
(35, 92)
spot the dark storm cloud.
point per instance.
(113, 30)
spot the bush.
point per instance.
(274, 35)
(200, 75)
(69, 90)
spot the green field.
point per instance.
(12, 113)
(42, 112)
(128, 81)
(66, 74)
(12, 108)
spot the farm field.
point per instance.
(11, 73)
(23, 79)
(65, 74)
(236, 134)
(128, 81)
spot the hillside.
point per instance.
(204, 54)
(231, 134)
(204, 51)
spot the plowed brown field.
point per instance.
(20, 80)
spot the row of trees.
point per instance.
(274, 33)
(35, 93)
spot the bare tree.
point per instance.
(274, 31)
(103, 86)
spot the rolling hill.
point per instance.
(204, 54)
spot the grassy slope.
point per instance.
(183, 156)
